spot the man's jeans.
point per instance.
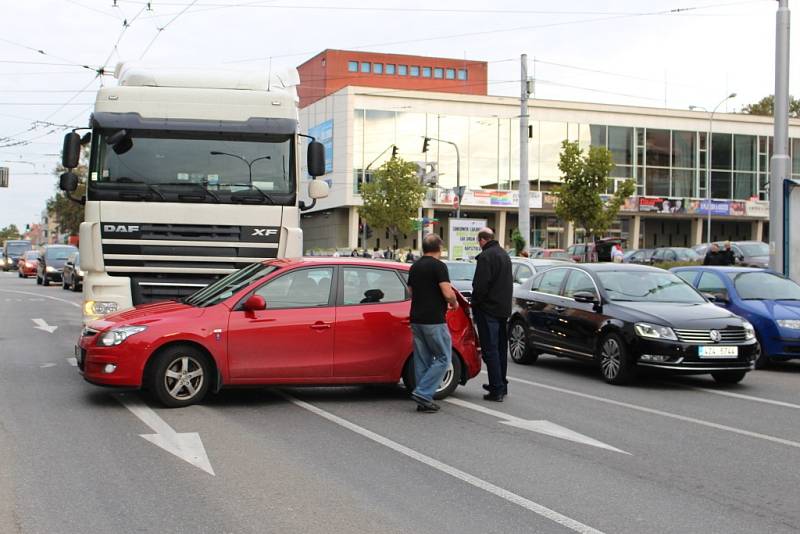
(432, 353)
(494, 347)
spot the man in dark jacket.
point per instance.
(492, 287)
(714, 256)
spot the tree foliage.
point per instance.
(584, 177)
(68, 213)
(393, 198)
(518, 241)
(9, 232)
(766, 106)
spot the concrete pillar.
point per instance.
(569, 235)
(500, 231)
(757, 230)
(636, 232)
(352, 228)
(697, 234)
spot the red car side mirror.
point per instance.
(255, 303)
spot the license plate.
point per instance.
(718, 352)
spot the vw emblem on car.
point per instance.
(716, 337)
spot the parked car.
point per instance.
(524, 268)
(13, 249)
(312, 321)
(747, 253)
(599, 250)
(641, 256)
(26, 266)
(51, 263)
(553, 253)
(72, 277)
(766, 299)
(625, 316)
(461, 275)
(671, 254)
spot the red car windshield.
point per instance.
(226, 287)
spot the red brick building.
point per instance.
(331, 70)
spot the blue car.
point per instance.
(766, 299)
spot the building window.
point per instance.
(352, 66)
(414, 70)
(620, 143)
(658, 148)
(462, 74)
(389, 68)
(377, 68)
(450, 74)
(402, 70)
(720, 152)
(365, 67)
(438, 72)
(426, 72)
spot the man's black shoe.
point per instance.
(494, 397)
(428, 408)
(488, 388)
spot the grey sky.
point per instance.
(702, 54)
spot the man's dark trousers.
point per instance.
(494, 348)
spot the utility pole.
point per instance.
(524, 215)
(779, 163)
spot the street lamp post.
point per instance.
(459, 193)
(248, 163)
(709, 149)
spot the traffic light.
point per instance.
(425, 144)
(394, 151)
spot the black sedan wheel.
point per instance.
(518, 346)
(762, 358)
(615, 362)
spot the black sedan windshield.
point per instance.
(765, 286)
(225, 287)
(647, 286)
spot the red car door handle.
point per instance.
(406, 321)
(320, 326)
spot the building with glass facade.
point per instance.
(663, 150)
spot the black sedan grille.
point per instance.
(728, 335)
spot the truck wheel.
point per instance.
(449, 382)
(180, 376)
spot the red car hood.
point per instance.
(148, 313)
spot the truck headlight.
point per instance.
(654, 331)
(115, 336)
(749, 330)
(98, 307)
(79, 272)
(50, 269)
(792, 324)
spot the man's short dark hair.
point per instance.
(486, 234)
(431, 243)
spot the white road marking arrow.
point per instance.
(46, 365)
(542, 427)
(41, 324)
(185, 445)
(72, 361)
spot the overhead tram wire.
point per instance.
(44, 53)
(165, 26)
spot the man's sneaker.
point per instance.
(428, 408)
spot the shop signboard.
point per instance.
(757, 208)
(463, 238)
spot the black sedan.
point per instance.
(51, 263)
(625, 316)
(72, 276)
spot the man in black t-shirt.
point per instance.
(431, 296)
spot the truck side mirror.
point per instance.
(68, 182)
(71, 152)
(316, 159)
(317, 189)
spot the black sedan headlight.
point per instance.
(654, 331)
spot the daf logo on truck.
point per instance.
(121, 228)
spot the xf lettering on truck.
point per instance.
(264, 232)
(121, 228)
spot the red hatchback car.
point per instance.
(320, 321)
(27, 264)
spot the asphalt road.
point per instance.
(680, 455)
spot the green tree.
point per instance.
(518, 241)
(766, 106)
(584, 177)
(68, 213)
(9, 232)
(393, 198)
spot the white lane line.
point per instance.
(72, 361)
(42, 296)
(48, 364)
(740, 396)
(540, 426)
(481, 484)
(653, 411)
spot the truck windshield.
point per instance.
(186, 166)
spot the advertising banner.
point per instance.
(715, 207)
(463, 238)
(488, 198)
(665, 205)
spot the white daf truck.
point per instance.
(192, 175)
